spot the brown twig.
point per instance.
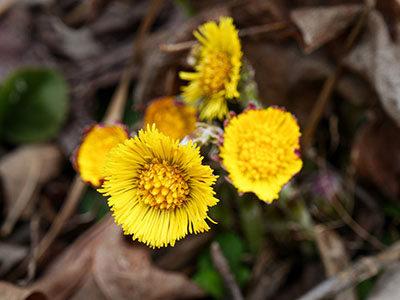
(270, 282)
(266, 28)
(222, 266)
(75, 193)
(343, 212)
(145, 27)
(330, 82)
(361, 270)
(114, 113)
(34, 228)
(357, 228)
(178, 46)
(319, 107)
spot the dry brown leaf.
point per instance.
(254, 12)
(102, 264)
(285, 76)
(376, 58)
(376, 156)
(23, 173)
(9, 291)
(320, 25)
(334, 256)
(10, 255)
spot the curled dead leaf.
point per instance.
(334, 256)
(9, 291)
(23, 173)
(376, 156)
(104, 264)
(319, 25)
(375, 57)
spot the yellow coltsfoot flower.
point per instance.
(171, 117)
(217, 71)
(261, 151)
(90, 156)
(159, 190)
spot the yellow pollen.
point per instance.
(162, 186)
(261, 155)
(214, 70)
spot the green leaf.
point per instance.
(222, 213)
(392, 210)
(232, 246)
(94, 202)
(211, 281)
(186, 7)
(131, 116)
(247, 86)
(242, 275)
(204, 261)
(365, 287)
(34, 105)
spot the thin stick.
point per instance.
(329, 84)
(178, 46)
(117, 106)
(242, 33)
(265, 28)
(361, 270)
(34, 228)
(357, 228)
(75, 193)
(319, 107)
(114, 113)
(222, 266)
(145, 27)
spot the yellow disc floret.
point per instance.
(91, 155)
(261, 151)
(217, 70)
(171, 117)
(162, 186)
(214, 71)
(159, 190)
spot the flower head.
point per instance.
(261, 151)
(159, 190)
(91, 155)
(217, 71)
(171, 117)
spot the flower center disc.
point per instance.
(162, 186)
(214, 69)
(260, 159)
